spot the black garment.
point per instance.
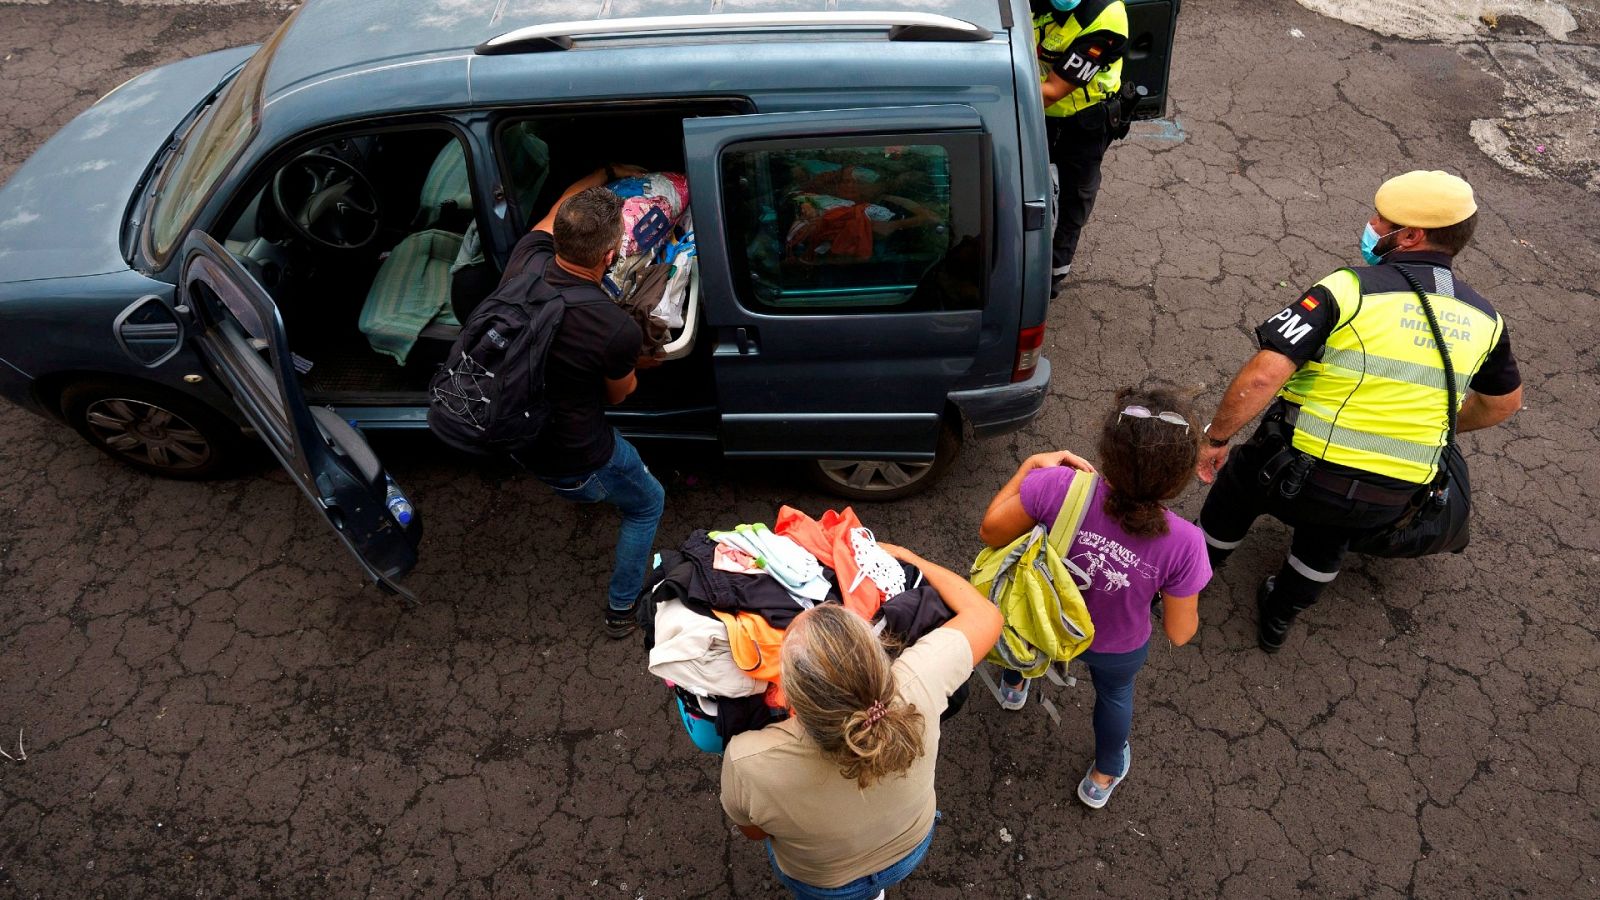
(737, 715)
(1078, 144)
(913, 613)
(689, 574)
(597, 341)
(1323, 522)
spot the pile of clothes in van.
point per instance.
(714, 611)
(650, 277)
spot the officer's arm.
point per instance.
(1252, 389)
(1483, 410)
(1054, 88)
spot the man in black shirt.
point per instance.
(590, 366)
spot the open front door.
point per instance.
(1148, 61)
(843, 265)
(242, 336)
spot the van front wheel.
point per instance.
(882, 479)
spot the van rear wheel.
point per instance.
(881, 479)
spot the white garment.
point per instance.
(692, 651)
(791, 564)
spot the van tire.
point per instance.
(154, 429)
(885, 480)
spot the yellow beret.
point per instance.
(1425, 200)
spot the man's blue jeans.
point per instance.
(864, 888)
(625, 483)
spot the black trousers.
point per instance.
(1078, 144)
(1323, 522)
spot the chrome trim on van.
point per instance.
(903, 26)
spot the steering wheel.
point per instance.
(327, 201)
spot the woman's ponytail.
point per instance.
(840, 683)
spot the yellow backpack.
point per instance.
(1046, 620)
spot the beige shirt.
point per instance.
(825, 830)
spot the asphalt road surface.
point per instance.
(214, 705)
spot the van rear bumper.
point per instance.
(999, 410)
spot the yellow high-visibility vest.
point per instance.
(1375, 399)
(1053, 38)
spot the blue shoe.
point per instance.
(1093, 795)
(1013, 697)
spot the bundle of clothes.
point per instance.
(650, 277)
(714, 611)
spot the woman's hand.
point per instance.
(900, 553)
(1056, 458)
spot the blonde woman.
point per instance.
(842, 791)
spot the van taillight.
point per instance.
(1029, 342)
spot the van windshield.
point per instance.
(209, 150)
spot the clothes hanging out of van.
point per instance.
(652, 253)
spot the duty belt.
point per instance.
(1354, 489)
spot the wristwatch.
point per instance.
(1214, 442)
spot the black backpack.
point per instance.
(488, 399)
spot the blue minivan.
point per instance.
(208, 251)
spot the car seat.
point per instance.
(410, 296)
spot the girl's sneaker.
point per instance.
(1093, 795)
(1013, 696)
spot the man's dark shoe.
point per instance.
(1271, 631)
(620, 623)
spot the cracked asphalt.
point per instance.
(214, 705)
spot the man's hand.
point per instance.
(648, 362)
(1211, 461)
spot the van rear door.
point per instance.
(843, 258)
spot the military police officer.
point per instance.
(1080, 44)
(1354, 388)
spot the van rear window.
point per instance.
(856, 224)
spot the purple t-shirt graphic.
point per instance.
(1119, 573)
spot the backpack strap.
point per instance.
(1074, 508)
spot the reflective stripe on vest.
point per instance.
(1053, 37)
(1375, 398)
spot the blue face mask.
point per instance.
(1065, 6)
(1369, 245)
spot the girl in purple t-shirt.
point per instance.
(1130, 549)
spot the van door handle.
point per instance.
(746, 339)
(744, 342)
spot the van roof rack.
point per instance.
(902, 26)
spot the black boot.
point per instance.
(1272, 625)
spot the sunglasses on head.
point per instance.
(1139, 412)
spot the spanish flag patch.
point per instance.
(1308, 303)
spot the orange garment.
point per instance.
(829, 541)
(755, 644)
(845, 229)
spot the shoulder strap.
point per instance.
(1444, 352)
(1074, 508)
